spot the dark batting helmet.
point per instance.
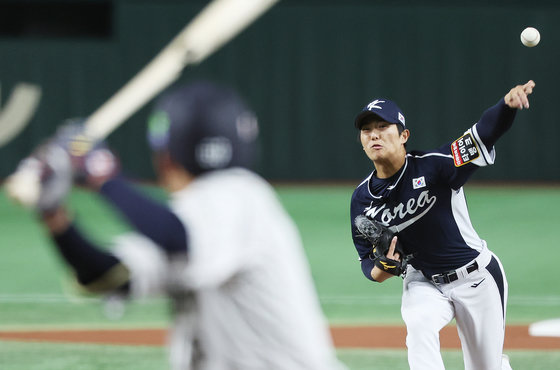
(204, 127)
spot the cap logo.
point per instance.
(374, 103)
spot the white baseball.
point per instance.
(530, 37)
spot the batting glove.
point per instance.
(92, 161)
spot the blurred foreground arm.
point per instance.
(154, 220)
(96, 270)
(96, 166)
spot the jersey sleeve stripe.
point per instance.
(489, 156)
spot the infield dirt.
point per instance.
(517, 337)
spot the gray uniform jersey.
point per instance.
(244, 298)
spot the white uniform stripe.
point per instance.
(463, 221)
(431, 155)
(390, 187)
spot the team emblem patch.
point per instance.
(464, 150)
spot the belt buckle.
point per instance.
(440, 279)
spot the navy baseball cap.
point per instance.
(385, 109)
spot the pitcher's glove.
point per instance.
(380, 237)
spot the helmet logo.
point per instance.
(158, 130)
(247, 127)
(214, 152)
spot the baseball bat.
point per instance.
(18, 110)
(215, 25)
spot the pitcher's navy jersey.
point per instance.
(424, 203)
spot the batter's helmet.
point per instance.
(385, 109)
(204, 127)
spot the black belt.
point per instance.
(449, 276)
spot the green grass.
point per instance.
(520, 225)
(365, 359)
(62, 356)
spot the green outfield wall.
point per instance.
(307, 67)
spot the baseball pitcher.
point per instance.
(409, 218)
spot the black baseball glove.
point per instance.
(380, 237)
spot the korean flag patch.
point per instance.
(464, 150)
(419, 182)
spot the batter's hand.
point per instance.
(43, 180)
(517, 97)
